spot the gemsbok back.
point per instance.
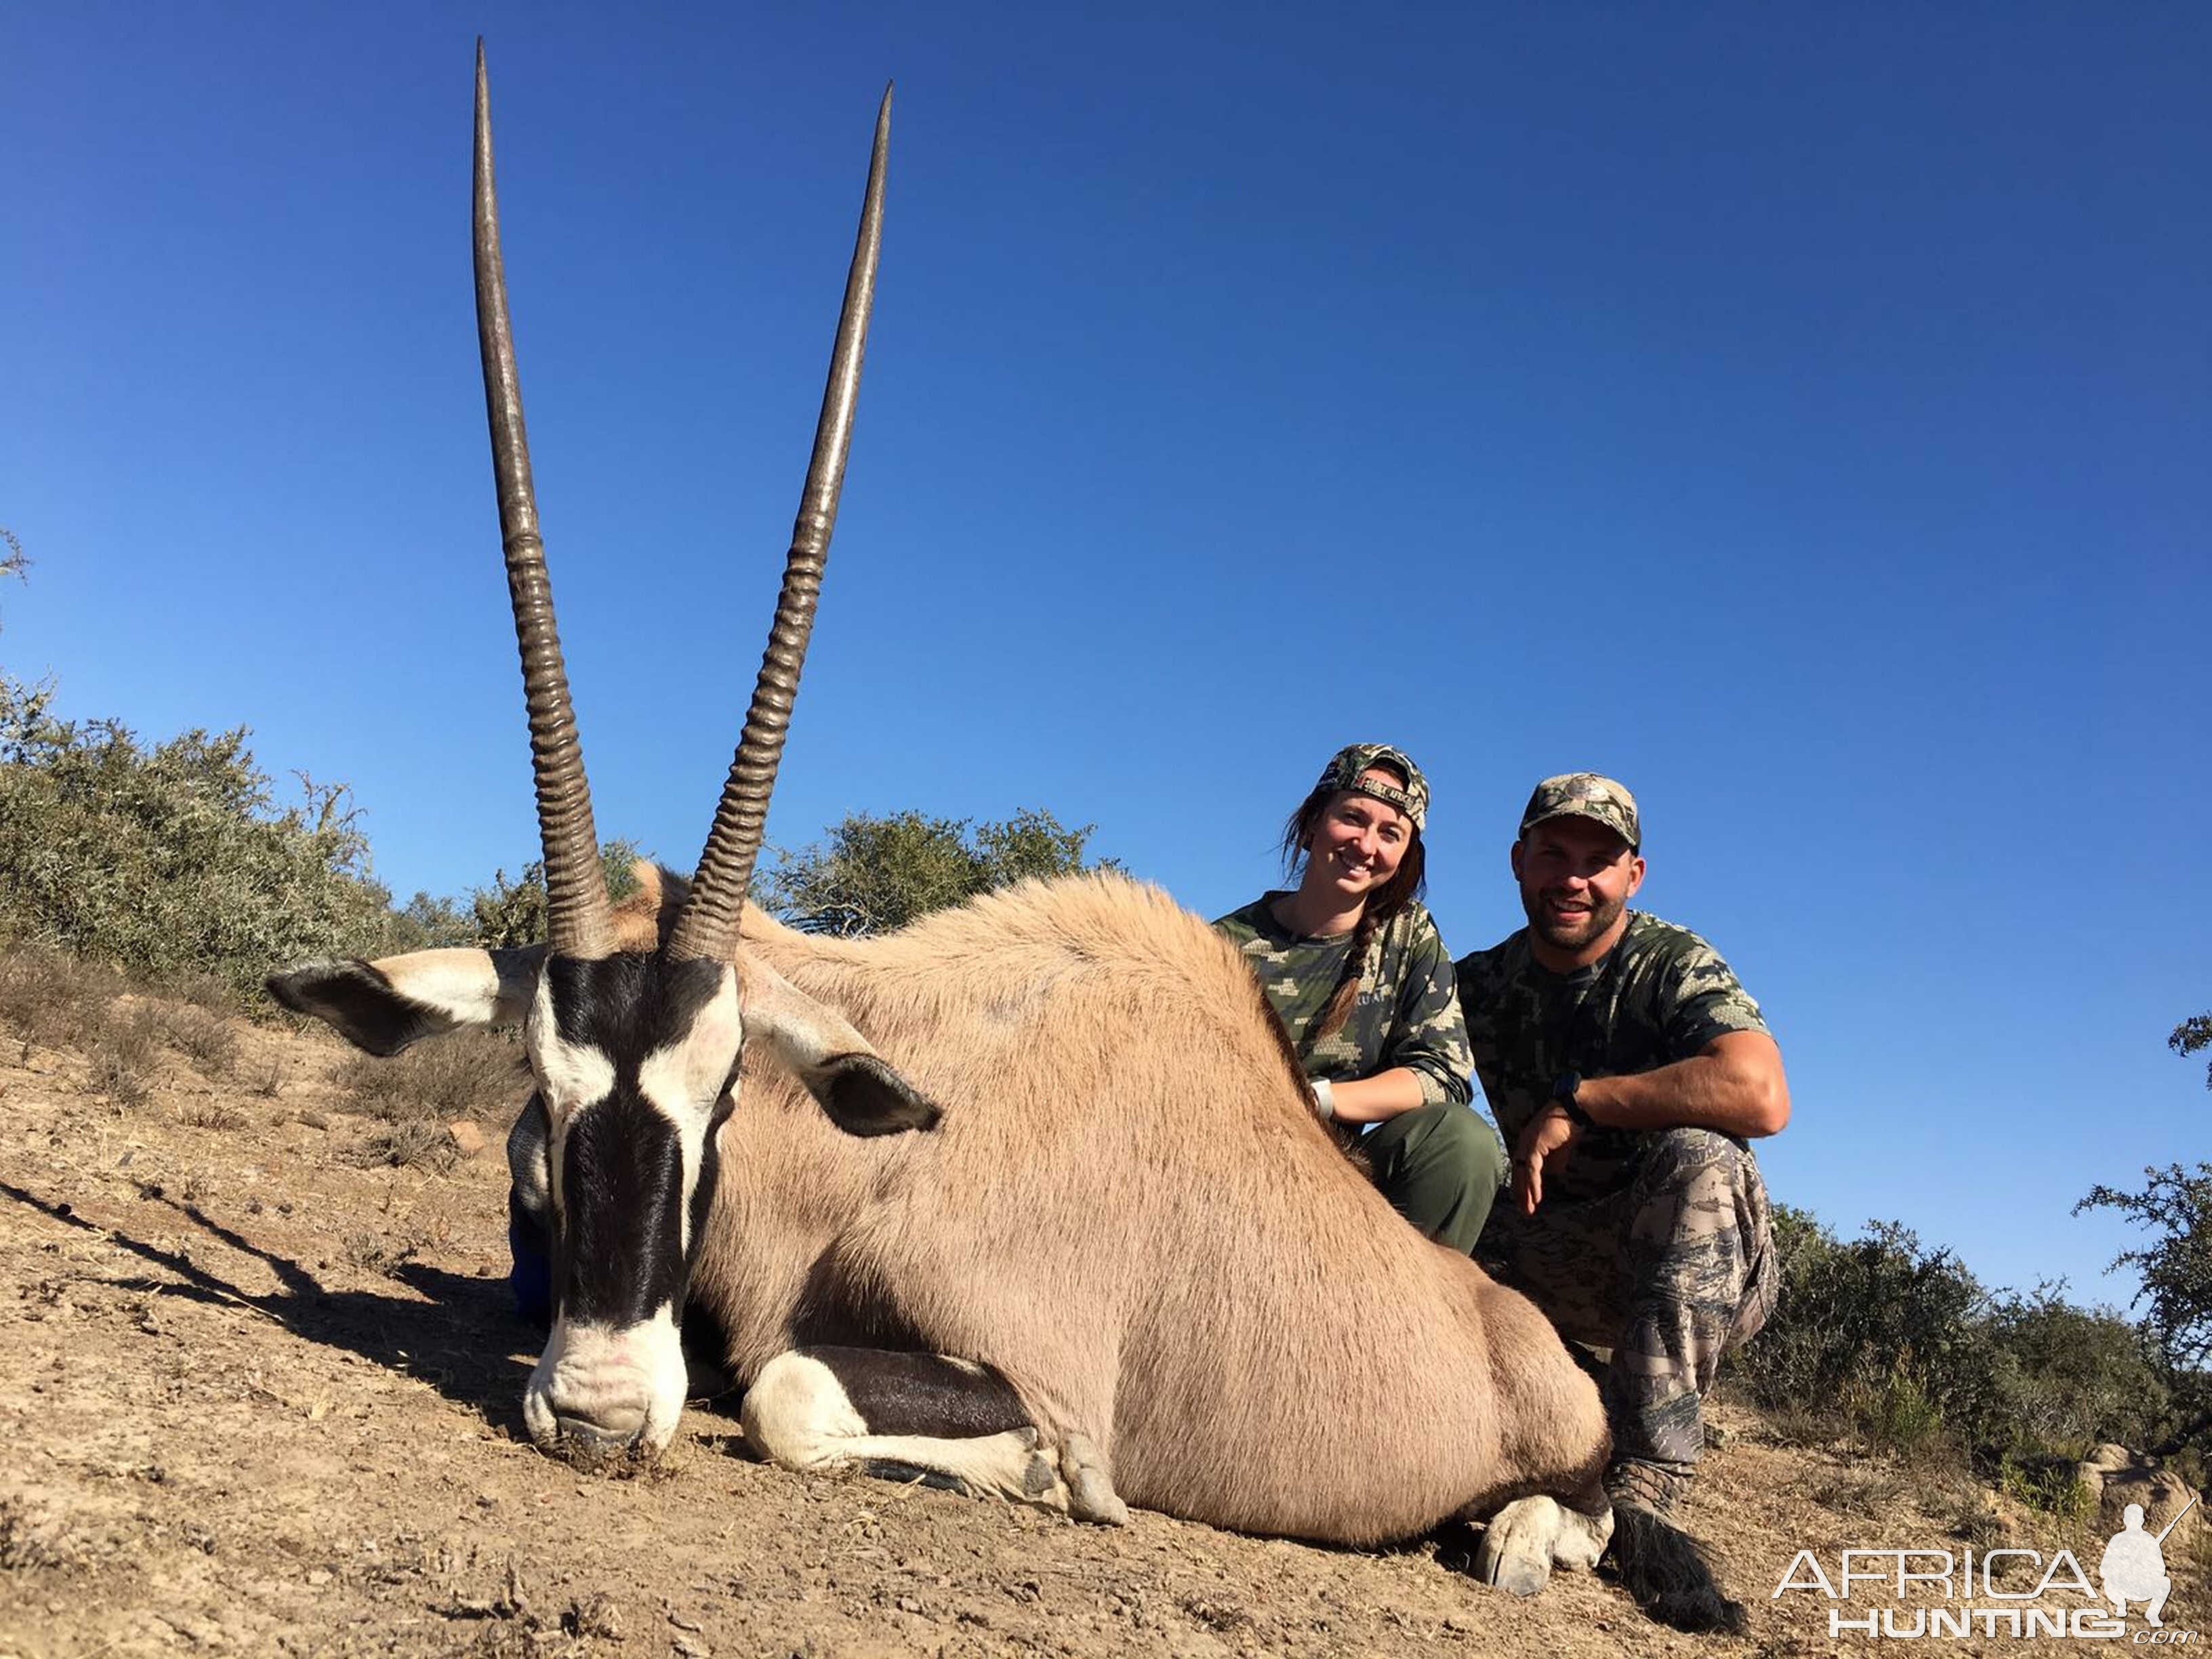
(1025, 1199)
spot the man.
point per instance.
(1628, 1070)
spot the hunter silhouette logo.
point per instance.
(2134, 1565)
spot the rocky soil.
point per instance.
(260, 1395)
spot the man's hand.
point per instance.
(1549, 1138)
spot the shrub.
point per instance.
(1916, 1353)
(52, 997)
(877, 874)
(2175, 1205)
(123, 1054)
(204, 1038)
(513, 912)
(470, 1073)
(403, 1145)
(2072, 1376)
(172, 860)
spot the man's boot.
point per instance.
(1653, 1486)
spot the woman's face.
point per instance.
(1359, 842)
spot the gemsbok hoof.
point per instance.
(1526, 1538)
(1090, 1495)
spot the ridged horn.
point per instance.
(708, 926)
(579, 920)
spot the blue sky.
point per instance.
(1800, 413)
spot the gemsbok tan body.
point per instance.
(1026, 1198)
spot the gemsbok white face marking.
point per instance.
(689, 1080)
(608, 1389)
(570, 1077)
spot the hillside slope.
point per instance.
(259, 1396)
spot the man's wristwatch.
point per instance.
(1570, 1085)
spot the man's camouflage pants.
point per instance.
(1670, 1273)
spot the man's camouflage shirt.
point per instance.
(1407, 1010)
(1660, 995)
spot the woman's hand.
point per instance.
(1549, 1139)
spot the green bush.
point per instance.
(2069, 1377)
(2175, 1206)
(513, 912)
(1914, 1350)
(173, 859)
(874, 875)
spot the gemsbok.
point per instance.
(1025, 1199)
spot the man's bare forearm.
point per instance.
(1736, 1086)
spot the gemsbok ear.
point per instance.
(861, 1091)
(863, 1095)
(385, 1006)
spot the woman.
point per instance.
(1350, 961)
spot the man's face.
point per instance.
(1575, 878)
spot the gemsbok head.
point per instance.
(634, 1040)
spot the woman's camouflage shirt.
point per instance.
(1661, 995)
(1407, 1011)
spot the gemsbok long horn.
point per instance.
(579, 920)
(710, 922)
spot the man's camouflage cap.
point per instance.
(1345, 767)
(1585, 795)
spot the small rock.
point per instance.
(466, 1136)
(318, 1578)
(2163, 1494)
(689, 1648)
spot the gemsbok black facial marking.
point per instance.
(621, 1194)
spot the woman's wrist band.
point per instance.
(1323, 1100)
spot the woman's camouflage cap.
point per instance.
(1345, 767)
(1585, 795)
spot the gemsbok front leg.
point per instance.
(905, 1416)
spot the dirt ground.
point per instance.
(255, 1399)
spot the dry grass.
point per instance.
(27, 1539)
(476, 1074)
(53, 999)
(202, 991)
(123, 1052)
(1804, 1424)
(407, 1145)
(205, 1038)
(1864, 1490)
(372, 1253)
(210, 1114)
